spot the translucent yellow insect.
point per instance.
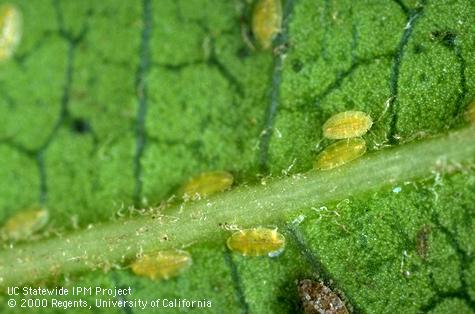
(340, 153)
(162, 264)
(257, 242)
(470, 113)
(347, 124)
(24, 224)
(206, 184)
(266, 21)
(10, 30)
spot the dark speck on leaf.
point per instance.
(423, 77)
(243, 52)
(80, 126)
(297, 65)
(418, 48)
(447, 38)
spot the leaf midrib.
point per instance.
(110, 245)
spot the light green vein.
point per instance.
(113, 244)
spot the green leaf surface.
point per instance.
(109, 106)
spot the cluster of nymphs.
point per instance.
(30, 221)
(166, 264)
(170, 263)
(10, 30)
(347, 127)
(266, 24)
(258, 241)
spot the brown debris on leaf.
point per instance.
(422, 242)
(318, 298)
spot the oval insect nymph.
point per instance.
(257, 242)
(10, 30)
(24, 224)
(340, 153)
(318, 298)
(162, 264)
(347, 124)
(266, 21)
(206, 184)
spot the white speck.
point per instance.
(409, 23)
(264, 132)
(342, 203)
(75, 258)
(320, 209)
(298, 220)
(276, 253)
(286, 171)
(397, 189)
